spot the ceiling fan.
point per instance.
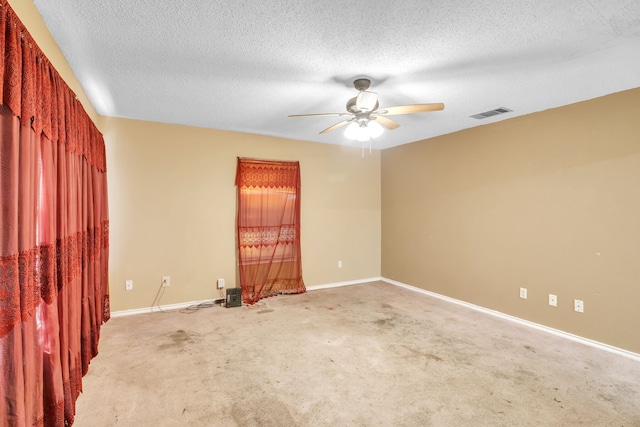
(365, 118)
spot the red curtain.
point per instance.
(53, 236)
(268, 228)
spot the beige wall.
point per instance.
(548, 201)
(173, 205)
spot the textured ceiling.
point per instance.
(245, 66)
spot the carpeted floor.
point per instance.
(362, 355)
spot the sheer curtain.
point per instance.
(53, 236)
(268, 228)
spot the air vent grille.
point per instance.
(491, 113)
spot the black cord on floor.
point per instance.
(195, 307)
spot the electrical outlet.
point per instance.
(128, 285)
(523, 293)
(166, 281)
(553, 300)
(339, 264)
(220, 283)
(578, 305)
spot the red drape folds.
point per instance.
(53, 236)
(268, 228)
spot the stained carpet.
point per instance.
(363, 355)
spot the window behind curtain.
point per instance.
(268, 227)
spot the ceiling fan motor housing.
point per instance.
(351, 105)
(362, 84)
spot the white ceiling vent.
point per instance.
(491, 113)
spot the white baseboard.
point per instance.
(557, 332)
(338, 284)
(156, 308)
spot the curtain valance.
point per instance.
(34, 91)
(255, 173)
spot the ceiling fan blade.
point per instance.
(337, 125)
(410, 109)
(320, 115)
(386, 122)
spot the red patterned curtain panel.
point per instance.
(53, 236)
(269, 228)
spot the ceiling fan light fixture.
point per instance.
(375, 129)
(352, 130)
(363, 136)
(363, 130)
